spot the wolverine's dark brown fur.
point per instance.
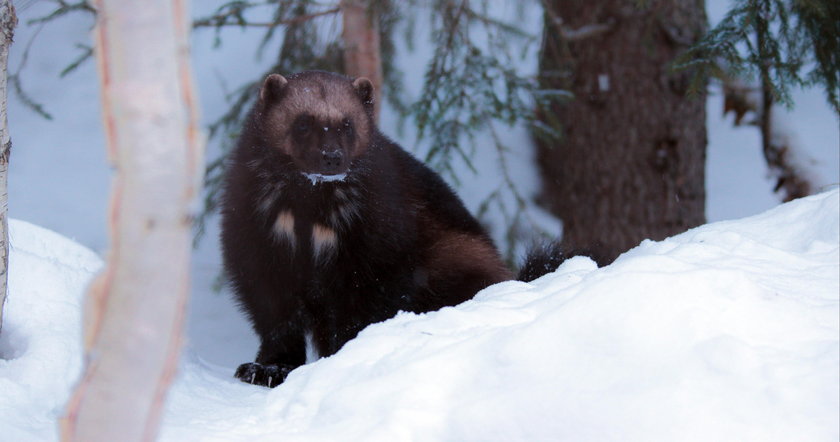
(313, 259)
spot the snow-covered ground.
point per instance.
(41, 340)
(730, 331)
(59, 179)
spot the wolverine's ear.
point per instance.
(364, 88)
(272, 88)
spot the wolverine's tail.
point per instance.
(544, 258)
(541, 259)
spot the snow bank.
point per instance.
(730, 331)
(40, 344)
(727, 332)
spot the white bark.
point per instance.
(8, 21)
(135, 310)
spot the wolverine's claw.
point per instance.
(268, 375)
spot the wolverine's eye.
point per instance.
(303, 127)
(347, 126)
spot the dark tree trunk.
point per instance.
(631, 161)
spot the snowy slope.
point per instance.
(41, 340)
(730, 331)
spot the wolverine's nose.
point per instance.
(331, 161)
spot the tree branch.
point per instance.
(780, 156)
(221, 20)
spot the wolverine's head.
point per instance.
(321, 120)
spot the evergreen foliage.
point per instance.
(775, 42)
(62, 8)
(471, 85)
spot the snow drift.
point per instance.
(730, 331)
(41, 340)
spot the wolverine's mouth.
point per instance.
(317, 178)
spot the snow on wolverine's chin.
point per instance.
(316, 178)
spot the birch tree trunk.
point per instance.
(8, 21)
(362, 55)
(135, 310)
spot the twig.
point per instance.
(219, 20)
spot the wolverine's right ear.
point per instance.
(364, 88)
(272, 88)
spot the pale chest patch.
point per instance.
(295, 227)
(324, 240)
(284, 226)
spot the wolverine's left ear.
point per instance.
(364, 88)
(272, 88)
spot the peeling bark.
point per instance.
(135, 309)
(8, 21)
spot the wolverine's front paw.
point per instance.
(270, 375)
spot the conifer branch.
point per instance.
(224, 19)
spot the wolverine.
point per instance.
(328, 226)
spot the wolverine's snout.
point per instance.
(331, 161)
